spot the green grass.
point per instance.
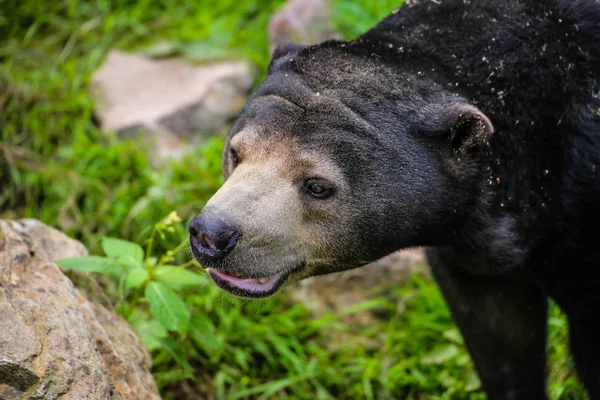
(55, 165)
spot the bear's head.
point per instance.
(337, 159)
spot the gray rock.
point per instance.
(54, 342)
(303, 22)
(335, 292)
(168, 101)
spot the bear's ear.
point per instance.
(468, 127)
(283, 49)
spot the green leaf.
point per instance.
(204, 51)
(101, 265)
(557, 322)
(151, 332)
(176, 277)
(270, 388)
(441, 355)
(202, 330)
(167, 307)
(472, 381)
(179, 354)
(419, 376)
(126, 252)
(162, 49)
(453, 335)
(152, 261)
(136, 277)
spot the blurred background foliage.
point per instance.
(56, 166)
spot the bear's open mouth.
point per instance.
(245, 286)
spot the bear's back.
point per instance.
(533, 67)
(523, 59)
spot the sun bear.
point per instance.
(469, 127)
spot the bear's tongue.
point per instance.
(246, 283)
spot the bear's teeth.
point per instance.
(262, 280)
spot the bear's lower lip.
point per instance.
(242, 286)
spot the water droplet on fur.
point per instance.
(546, 172)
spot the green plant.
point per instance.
(273, 348)
(145, 278)
(204, 345)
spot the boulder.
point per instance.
(338, 291)
(303, 22)
(169, 102)
(55, 343)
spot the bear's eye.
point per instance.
(235, 159)
(319, 188)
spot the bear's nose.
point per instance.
(212, 234)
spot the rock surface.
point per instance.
(55, 344)
(335, 292)
(168, 101)
(303, 22)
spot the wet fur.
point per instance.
(511, 216)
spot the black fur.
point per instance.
(511, 210)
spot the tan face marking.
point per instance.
(280, 225)
(285, 155)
